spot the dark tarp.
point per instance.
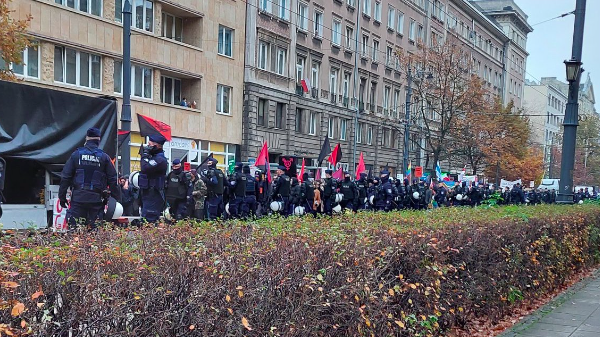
(46, 125)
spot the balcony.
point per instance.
(361, 106)
(346, 102)
(333, 98)
(299, 90)
(314, 93)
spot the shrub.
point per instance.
(397, 274)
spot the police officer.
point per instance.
(88, 172)
(296, 198)
(251, 190)
(349, 192)
(441, 195)
(177, 188)
(152, 178)
(282, 189)
(362, 186)
(307, 194)
(237, 186)
(215, 183)
(328, 187)
(262, 195)
(385, 195)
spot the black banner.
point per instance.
(290, 163)
(46, 125)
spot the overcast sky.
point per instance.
(550, 43)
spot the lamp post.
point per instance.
(407, 120)
(574, 70)
(126, 109)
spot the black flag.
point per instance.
(325, 150)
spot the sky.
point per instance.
(550, 43)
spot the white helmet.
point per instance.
(339, 197)
(299, 210)
(372, 200)
(337, 209)
(114, 209)
(459, 197)
(415, 195)
(276, 206)
(580, 202)
(133, 179)
(526, 200)
(227, 209)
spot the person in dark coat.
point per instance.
(282, 189)
(349, 192)
(152, 178)
(90, 174)
(328, 196)
(178, 191)
(127, 196)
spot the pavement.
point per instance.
(574, 313)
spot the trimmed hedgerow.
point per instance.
(398, 274)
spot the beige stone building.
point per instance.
(180, 49)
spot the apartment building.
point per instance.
(344, 51)
(180, 49)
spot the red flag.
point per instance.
(263, 156)
(149, 127)
(318, 174)
(305, 85)
(301, 172)
(336, 155)
(361, 166)
(339, 174)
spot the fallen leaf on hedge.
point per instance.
(400, 324)
(192, 327)
(240, 294)
(391, 292)
(246, 324)
(230, 311)
(228, 298)
(37, 294)
(40, 304)
(413, 286)
(23, 324)
(10, 284)
(239, 288)
(17, 309)
(320, 277)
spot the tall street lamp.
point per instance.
(574, 70)
(126, 110)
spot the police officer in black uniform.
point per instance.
(262, 193)
(178, 186)
(237, 186)
(307, 194)
(88, 172)
(349, 193)
(251, 191)
(441, 195)
(385, 194)
(362, 186)
(152, 178)
(328, 187)
(282, 189)
(215, 183)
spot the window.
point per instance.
(300, 62)
(284, 12)
(172, 27)
(375, 50)
(77, 68)
(411, 30)
(367, 7)
(223, 99)
(386, 100)
(350, 2)
(170, 90)
(262, 112)
(280, 116)
(343, 126)
(389, 52)
(346, 86)
(312, 123)
(396, 103)
(142, 14)
(265, 5)
(298, 124)
(318, 24)
(314, 81)
(30, 67)
(400, 28)
(93, 7)
(377, 11)
(365, 44)
(391, 17)
(373, 99)
(349, 37)
(420, 33)
(330, 129)
(333, 77)
(369, 134)
(302, 16)
(264, 50)
(336, 32)
(141, 80)
(225, 41)
(359, 132)
(385, 139)
(519, 91)
(281, 61)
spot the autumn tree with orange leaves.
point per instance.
(12, 40)
(445, 89)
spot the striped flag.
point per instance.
(408, 171)
(438, 171)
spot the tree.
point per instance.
(444, 89)
(12, 40)
(586, 170)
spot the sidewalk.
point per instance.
(575, 313)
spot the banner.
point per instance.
(508, 183)
(418, 171)
(290, 165)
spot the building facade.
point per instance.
(344, 51)
(546, 103)
(185, 49)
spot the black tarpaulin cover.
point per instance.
(47, 125)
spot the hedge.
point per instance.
(396, 274)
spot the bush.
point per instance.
(398, 274)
